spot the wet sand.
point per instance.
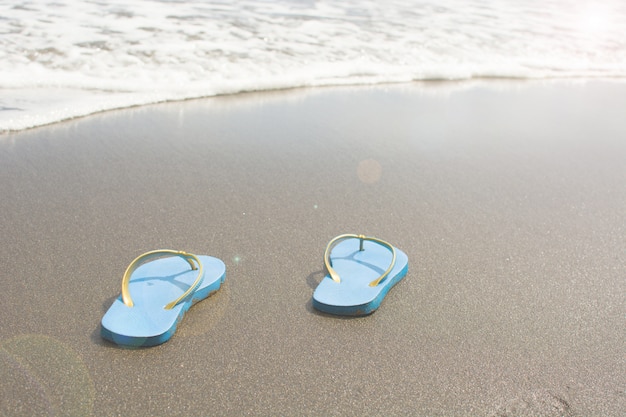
(509, 199)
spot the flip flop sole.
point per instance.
(361, 309)
(152, 286)
(353, 296)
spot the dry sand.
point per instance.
(508, 197)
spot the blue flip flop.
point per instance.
(361, 270)
(164, 284)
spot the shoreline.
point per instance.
(508, 202)
(147, 101)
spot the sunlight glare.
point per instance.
(594, 20)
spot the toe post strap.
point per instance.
(191, 259)
(362, 238)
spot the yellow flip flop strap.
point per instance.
(161, 253)
(333, 274)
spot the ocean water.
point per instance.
(61, 59)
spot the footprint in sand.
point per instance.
(539, 403)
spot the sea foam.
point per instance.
(70, 58)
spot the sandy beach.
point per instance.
(508, 197)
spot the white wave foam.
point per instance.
(70, 58)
